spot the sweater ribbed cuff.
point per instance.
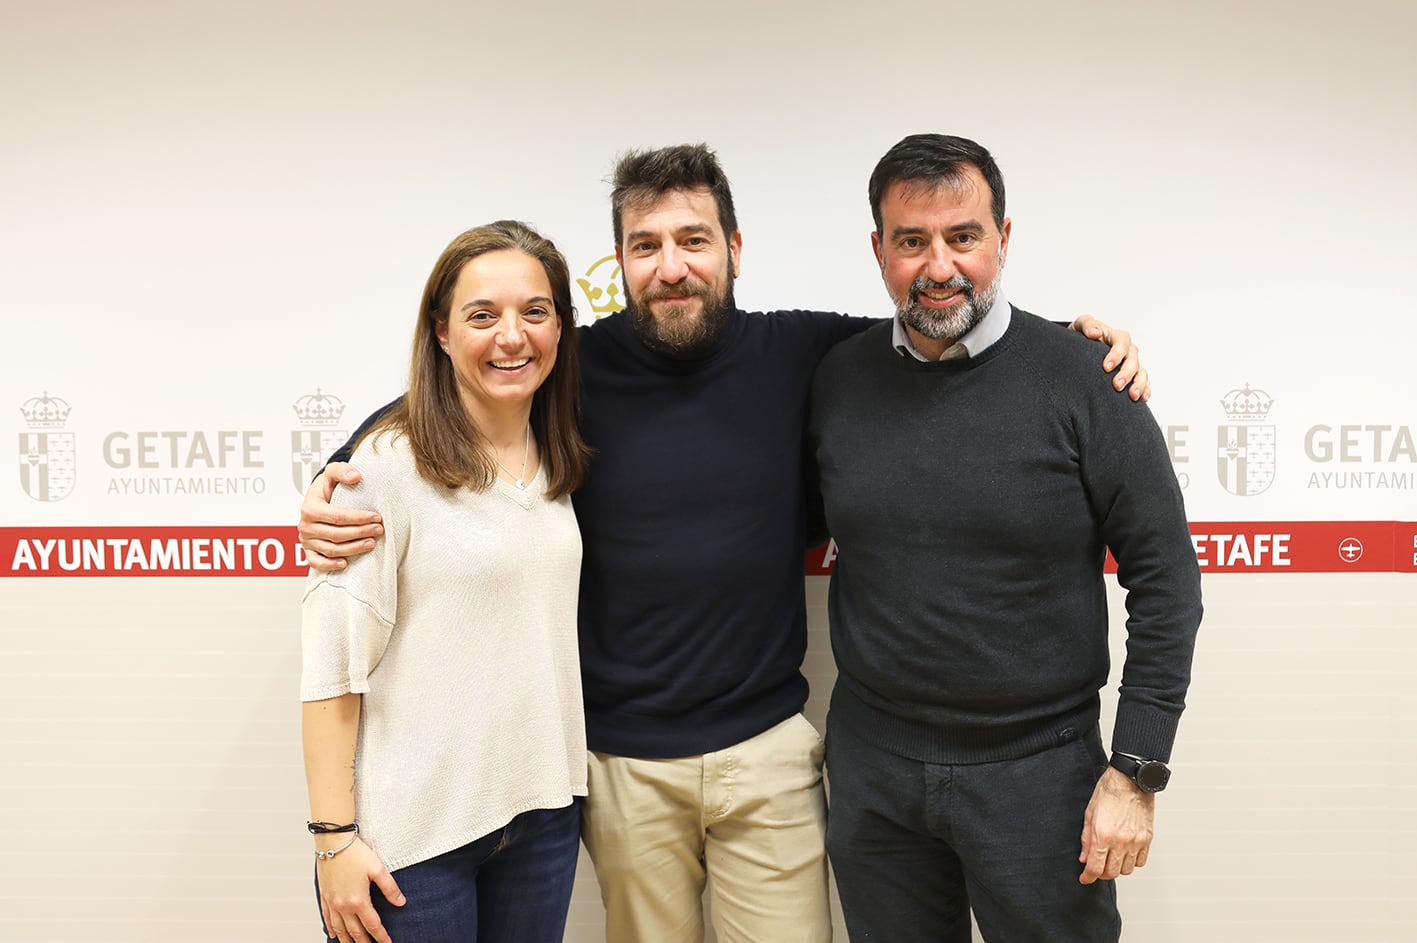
(1145, 731)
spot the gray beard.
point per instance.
(679, 335)
(954, 323)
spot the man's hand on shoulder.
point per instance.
(1123, 357)
(330, 533)
(1116, 831)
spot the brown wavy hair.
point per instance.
(447, 445)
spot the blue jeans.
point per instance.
(510, 886)
(916, 846)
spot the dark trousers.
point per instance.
(915, 846)
(510, 886)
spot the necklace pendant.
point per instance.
(526, 455)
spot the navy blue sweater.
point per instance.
(693, 624)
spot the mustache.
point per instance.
(689, 287)
(923, 283)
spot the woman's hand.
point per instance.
(345, 904)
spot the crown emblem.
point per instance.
(1246, 405)
(45, 412)
(318, 408)
(603, 300)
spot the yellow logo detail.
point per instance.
(602, 290)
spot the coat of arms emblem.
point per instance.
(1245, 447)
(47, 469)
(311, 446)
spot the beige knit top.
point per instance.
(459, 629)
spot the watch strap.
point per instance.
(1149, 775)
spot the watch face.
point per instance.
(1153, 776)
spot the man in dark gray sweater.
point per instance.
(975, 471)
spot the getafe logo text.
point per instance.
(1388, 451)
(1176, 446)
(168, 458)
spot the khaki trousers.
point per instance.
(748, 822)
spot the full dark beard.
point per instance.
(954, 323)
(677, 333)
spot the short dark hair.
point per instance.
(933, 159)
(642, 177)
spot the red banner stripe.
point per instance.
(1226, 547)
(1271, 547)
(151, 551)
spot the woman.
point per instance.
(443, 727)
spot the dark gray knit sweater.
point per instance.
(973, 503)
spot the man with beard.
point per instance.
(974, 476)
(703, 771)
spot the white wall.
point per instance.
(208, 212)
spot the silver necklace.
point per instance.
(526, 454)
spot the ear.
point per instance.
(441, 331)
(619, 256)
(876, 248)
(1004, 240)
(735, 253)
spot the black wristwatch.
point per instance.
(1149, 775)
